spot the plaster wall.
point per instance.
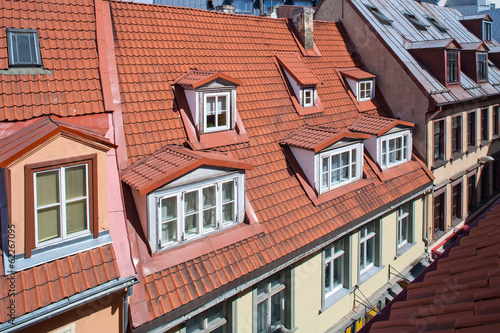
(55, 149)
(244, 312)
(402, 94)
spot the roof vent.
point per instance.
(302, 19)
(416, 22)
(378, 14)
(438, 25)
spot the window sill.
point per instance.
(456, 156)
(438, 163)
(455, 221)
(471, 149)
(495, 137)
(484, 143)
(403, 249)
(368, 274)
(26, 70)
(60, 250)
(334, 298)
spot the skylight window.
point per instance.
(24, 49)
(378, 14)
(438, 25)
(415, 21)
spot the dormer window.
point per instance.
(365, 90)
(487, 31)
(362, 83)
(216, 112)
(452, 68)
(329, 158)
(24, 49)
(390, 142)
(189, 194)
(415, 21)
(300, 81)
(395, 149)
(482, 67)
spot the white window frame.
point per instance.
(364, 237)
(13, 47)
(207, 129)
(358, 167)
(367, 90)
(337, 252)
(406, 151)
(209, 326)
(266, 296)
(179, 194)
(403, 217)
(312, 92)
(487, 31)
(62, 204)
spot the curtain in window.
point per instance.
(228, 202)
(169, 220)
(48, 205)
(191, 213)
(76, 198)
(209, 207)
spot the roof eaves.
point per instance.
(341, 135)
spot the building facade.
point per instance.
(439, 71)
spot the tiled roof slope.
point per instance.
(376, 125)
(296, 68)
(318, 138)
(401, 33)
(66, 32)
(157, 44)
(462, 294)
(57, 280)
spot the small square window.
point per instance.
(365, 90)
(217, 112)
(24, 49)
(308, 97)
(395, 149)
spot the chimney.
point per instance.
(302, 19)
(226, 9)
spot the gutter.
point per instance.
(67, 304)
(242, 287)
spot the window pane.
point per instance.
(328, 277)
(169, 231)
(191, 224)
(25, 52)
(209, 196)
(191, 202)
(362, 256)
(210, 111)
(194, 324)
(47, 188)
(221, 103)
(228, 191)
(370, 250)
(76, 182)
(262, 312)
(276, 309)
(76, 216)
(48, 222)
(209, 219)
(191, 213)
(338, 271)
(353, 159)
(168, 209)
(228, 212)
(209, 207)
(215, 313)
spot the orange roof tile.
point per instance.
(67, 49)
(377, 125)
(54, 281)
(294, 65)
(197, 78)
(171, 162)
(357, 74)
(24, 140)
(462, 294)
(318, 138)
(244, 47)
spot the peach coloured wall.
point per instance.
(57, 148)
(105, 315)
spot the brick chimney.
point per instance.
(302, 19)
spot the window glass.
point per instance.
(439, 140)
(452, 66)
(242, 6)
(24, 49)
(339, 167)
(334, 268)
(457, 201)
(471, 129)
(367, 247)
(191, 213)
(487, 31)
(403, 216)
(228, 202)
(394, 149)
(168, 219)
(484, 124)
(496, 120)
(365, 90)
(308, 97)
(482, 67)
(456, 134)
(209, 207)
(216, 112)
(270, 304)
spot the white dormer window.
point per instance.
(308, 97)
(216, 113)
(339, 166)
(394, 149)
(364, 90)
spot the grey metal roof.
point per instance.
(401, 36)
(495, 25)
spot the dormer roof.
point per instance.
(448, 43)
(478, 46)
(196, 78)
(294, 65)
(357, 74)
(172, 162)
(26, 139)
(318, 138)
(484, 17)
(377, 125)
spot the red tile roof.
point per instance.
(24, 140)
(377, 125)
(245, 48)
(357, 74)
(294, 65)
(197, 78)
(171, 162)
(57, 280)
(318, 138)
(67, 39)
(462, 294)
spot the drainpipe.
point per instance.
(125, 309)
(424, 233)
